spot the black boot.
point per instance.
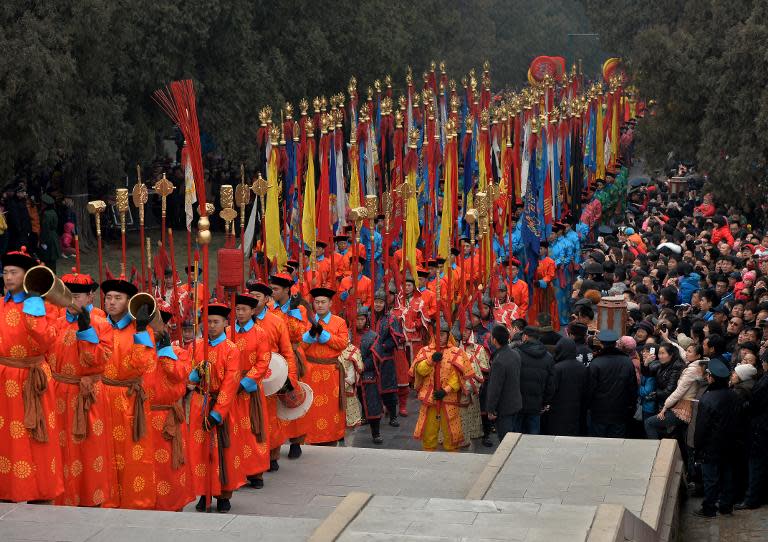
(200, 506)
(393, 419)
(273, 466)
(295, 451)
(223, 506)
(376, 431)
(487, 442)
(255, 481)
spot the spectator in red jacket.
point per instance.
(707, 208)
(721, 231)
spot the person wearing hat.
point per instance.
(345, 258)
(276, 339)
(77, 357)
(517, 289)
(213, 413)
(364, 292)
(167, 420)
(612, 390)
(543, 291)
(479, 360)
(388, 332)
(438, 374)
(194, 286)
(369, 379)
(408, 318)
(254, 364)
(716, 440)
(133, 355)
(397, 260)
(293, 311)
(325, 340)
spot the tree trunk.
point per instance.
(75, 186)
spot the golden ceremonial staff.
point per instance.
(122, 208)
(140, 195)
(164, 188)
(242, 199)
(97, 207)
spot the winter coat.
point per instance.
(503, 396)
(758, 413)
(716, 435)
(569, 391)
(667, 375)
(723, 233)
(647, 394)
(536, 374)
(687, 386)
(612, 387)
(688, 284)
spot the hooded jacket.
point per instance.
(536, 376)
(569, 391)
(612, 387)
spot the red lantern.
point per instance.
(230, 261)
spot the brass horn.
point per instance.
(44, 281)
(141, 299)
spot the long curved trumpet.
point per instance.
(44, 281)
(141, 299)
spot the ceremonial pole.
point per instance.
(371, 206)
(140, 196)
(175, 295)
(164, 188)
(122, 208)
(260, 188)
(97, 207)
(242, 199)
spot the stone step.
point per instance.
(414, 519)
(65, 523)
(313, 485)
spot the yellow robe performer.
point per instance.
(439, 385)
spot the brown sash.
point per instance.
(255, 415)
(86, 397)
(222, 437)
(172, 430)
(333, 361)
(298, 353)
(32, 394)
(134, 388)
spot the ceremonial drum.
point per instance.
(277, 374)
(293, 404)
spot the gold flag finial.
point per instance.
(352, 87)
(303, 106)
(288, 110)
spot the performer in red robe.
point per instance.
(77, 358)
(544, 290)
(30, 456)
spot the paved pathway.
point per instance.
(742, 526)
(401, 438)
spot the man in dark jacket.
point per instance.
(713, 440)
(758, 445)
(536, 371)
(612, 389)
(569, 389)
(578, 332)
(503, 399)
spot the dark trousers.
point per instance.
(758, 476)
(659, 429)
(390, 401)
(529, 424)
(607, 430)
(507, 424)
(718, 486)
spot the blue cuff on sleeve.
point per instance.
(344, 296)
(34, 306)
(307, 338)
(249, 384)
(542, 284)
(194, 376)
(142, 338)
(324, 337)
(167, 352)
(89, 335)
(216, 416)
(296, 313)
